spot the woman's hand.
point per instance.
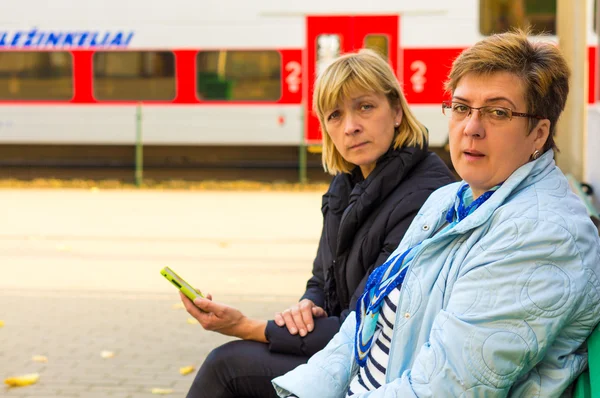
(299, 317)
(224, 319)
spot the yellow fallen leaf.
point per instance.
(107, 354)
(186, 370)
(192, 321)
(162, 391)
(178, 306)
(22, 381)
(40, 358)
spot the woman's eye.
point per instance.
(366, 107)
(498, 113)
(333, 115)
(460, 108)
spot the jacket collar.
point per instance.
(523, 177)
(391, 169)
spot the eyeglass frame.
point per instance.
(448, 105)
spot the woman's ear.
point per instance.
(398, 116)
(541, 132)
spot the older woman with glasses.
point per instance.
(495, 286)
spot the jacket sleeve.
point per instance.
(330, 369)
(397, 225)
(281, 341)
(515, 292)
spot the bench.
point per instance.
(587, 384)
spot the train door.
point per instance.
(329, 36)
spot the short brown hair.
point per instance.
(364, 70)
(540, 66)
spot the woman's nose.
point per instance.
(474, 125)
(351, 124)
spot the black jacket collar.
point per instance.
(357, 201)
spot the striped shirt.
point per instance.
(372, 375)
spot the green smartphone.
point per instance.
(181, 284)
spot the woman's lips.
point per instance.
(358, 145)
(472, 154)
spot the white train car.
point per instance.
(226, 72)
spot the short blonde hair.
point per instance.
(539, 65)
(361, 71)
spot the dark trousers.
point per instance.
(241, 369)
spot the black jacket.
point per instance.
(363, 223)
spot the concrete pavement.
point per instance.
(79, 274)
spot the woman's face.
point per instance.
(485, 152)
(362, 128)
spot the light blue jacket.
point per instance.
(499, 305)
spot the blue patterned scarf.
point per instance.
(387, 277)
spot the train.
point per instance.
(230, 72)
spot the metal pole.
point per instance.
(139, 150)
(302, 149)
(571, 130)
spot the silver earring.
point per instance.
(397, 124)
(536, 154)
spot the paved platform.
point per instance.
(79, 274)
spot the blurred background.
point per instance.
(221, 90)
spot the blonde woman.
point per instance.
(383, 173)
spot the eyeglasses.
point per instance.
(458, 112)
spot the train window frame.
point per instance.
(487, 17)
(172, 78)
(385, 56)
(197, 91)
(70, 75)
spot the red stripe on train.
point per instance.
(422, 70)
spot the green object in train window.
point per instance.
(497, 16)
(235, 75)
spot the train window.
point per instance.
(36, 75)
(328, 49)
(378, 43)
(134, 75)
(232, 75)
(497, 16)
